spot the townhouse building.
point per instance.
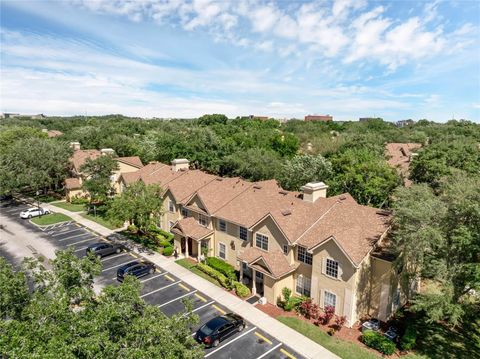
(73, 184)
(328, 248)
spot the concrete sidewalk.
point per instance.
(280, 331)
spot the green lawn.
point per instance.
(102, 221)
(192, 268)
(50, 219)
(70, 207)
(342, 348)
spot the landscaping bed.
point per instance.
(153, 238)
(102, 220)
(49, 219)
(70, 206)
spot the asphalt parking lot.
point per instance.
(162, 289)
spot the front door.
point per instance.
(259, 282)
(182, 245)
(190, 246)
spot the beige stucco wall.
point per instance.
(168, 216)
(231, 240)
(267, 227)
(74, 193)
(343, 287)
(288, 282)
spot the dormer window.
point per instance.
(304, 256)
(222, 225)
(331, 268)
(171, 206)
(184, 212)
(202, 220)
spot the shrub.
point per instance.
(132, 228)
(329, 312)
(79, 200)
(293, 303)
(340, 322)
(241, 289)
(379, 342)
(222, 279)
(287, 293)
(167, 251)
(223, 267)
(309, 309)
(409, 339)
(164, 243)
(161, 234)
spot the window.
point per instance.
(222, 225)
(329, 299)
(331, 268)
(303, 285)
(243, 234)
(184, 212)
(262, 241)
(222, 250)
(285, 249)
(171, 206)
(304, 256)
(202, 220)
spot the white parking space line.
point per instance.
(65, 232)
(115, 266)
(111, 257)
(159, 289)
(201, 307)
(82, 241)
(271, 350)
(174, 300)
(77, 235)
(230, 342)
(80, 249)
(156, 276)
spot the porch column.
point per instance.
(199, 250)
(241, 272)
(186, 247)
(254, 288)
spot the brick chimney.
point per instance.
(313, 191)
(180, 164)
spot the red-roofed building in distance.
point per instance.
(321, 118)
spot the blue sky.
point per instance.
(185, 58)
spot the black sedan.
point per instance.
(136, 268)
(103, 249)
(219, 328)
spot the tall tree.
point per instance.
(97, 174)
(117, 323)
(438, 239)
(302, 169)
(139, 204)
(37, 163)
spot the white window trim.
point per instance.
(204, 217)
(325, 296)
(303, 284)
(283, 248)
(184, 212)
(170, 204)
(306, 252)
(218, 253)
(268, 241)
(339, 271)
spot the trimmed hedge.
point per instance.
(409, 339)
(379, 342)
(167, 251)
(164, 243)
(222, 279)
(223, 267)
(241, 289)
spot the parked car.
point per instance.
(135, 268)
(34, 212)
(103, 249)
(219, 328)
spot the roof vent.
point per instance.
(256, 186)
(286, 212)
(383, 213)
(283, 192)
(219, 179)
(342, 197)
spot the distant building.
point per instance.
(15, 115)
(10, 115)
(52, 133)
(404, 123)
(323, 118)
(261, 118)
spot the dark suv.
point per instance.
(219, 328)
(103, 249)
(136, 268)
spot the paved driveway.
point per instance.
(162, 289)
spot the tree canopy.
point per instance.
(97, 174)
(51, 321)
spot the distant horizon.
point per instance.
(184, 58)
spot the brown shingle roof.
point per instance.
(184, 186)
(399, 154)
(134, 161)
(354, 227)
(72, 183)
(79, 157)
(54, 133)
(190, 228)
(273, 263)
(219, 192)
